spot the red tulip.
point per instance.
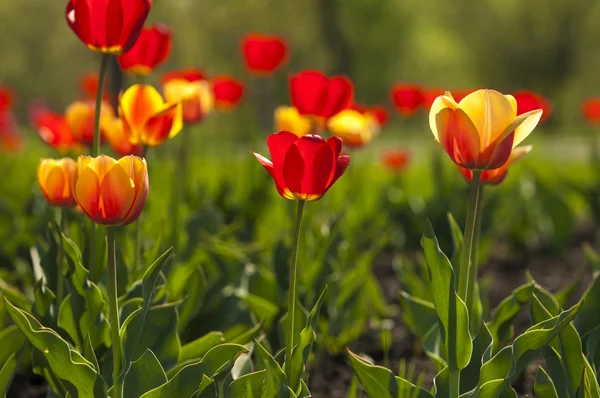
(10, 138)
(52, 127)
(591, 110)
(314, 94)
(396, 160)
(151, 49)
(6, 98)
(227, 91)
(379, 112)
(528, 101)
(108, 26)
(304, 168)
(429, 96)
(88, 83)
(407, 98)
(263, 54)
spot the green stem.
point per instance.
(60, 281)
(468, 270)
(114, 312)
(99, 93)
(454, 382)
(292, 296)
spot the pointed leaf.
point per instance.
(144, 375)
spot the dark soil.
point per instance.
(332, 377)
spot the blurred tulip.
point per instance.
(88, 84)
(80, 118)
(10, 138)
(315, 94)
(147, 118)
(52, 128)
(227, 92)
(263, 54)
(287, 118)
(591, 110)
(304, 168)
(528, 101)
(396, 160)
(119, 141)
(55, 177)
(189, 87)
(354, 128)
(379, 112)
(407, 98)
(429, 95)
(152, 48)
(496, 176)
(111, 192)
(480, 132)
(107, 27)
(6, 98)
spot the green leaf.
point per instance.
(66, 363)
(417, 314)
(589, 316)
(7, 371)
(251, 385)
(308, 336)
(501, 325)
(544, 387)
(380, 382)
(199, 347)
(469, 377)
(12, 340)
(144, 375)
(215, 359)
(589, 385)
(452, 311)
(264, 310)
(274, 378)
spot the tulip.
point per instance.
(591, 110)
(147, 118)
(287, 118)
(379, 112)
(107, 27)
(407, 98)
(396, 160)
(496, 176)
(80, 118)
(314, 94)
(152, 48)
(55, 177)
(109, 191)
(354, 128)
(119, 141)
(263, 54)
(429, 96)
(52, 128)
(10, 138)
(304, 168)
(191, 89)
(227, 92)
(528, 101)
(480, 132)
(6, 98)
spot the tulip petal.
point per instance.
(526, 126)
(137, 170)
(340, 95)
(490, 112)
(268, 165)
(138, 103)
(341, 166)
(165, 124)
(117, 193)
(497, 154)
(336, 144)
(87, 192)
(441, 102)
(458, 136)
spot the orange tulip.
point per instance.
(80, 118)
(147, 118)
(191, 88)
(396, 160)
(591, 110)
(480, 132)
(287, 118)
(496, 176)
(111, 192)
(354, 128)
(119, 141)
(56, 180)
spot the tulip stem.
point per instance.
(468, 267)
(114, 312)
(99, 94)
(60, 280)
(454, 382)
(292, 296)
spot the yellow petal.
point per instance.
(518, 153)
(287, 118)
(513, 102)
(490, 112)
(87, 193)
(526, 127)
(138, 104)
(441, 102)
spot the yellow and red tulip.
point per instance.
(379, 112)
(151, 49)
(55, 177)
(147, 118)
(80, 115)
(189, 87)
(227, 91)
(107, 27)
(354, 128)
(496, 176)
(287, 118)
(109, 191)
(119, 141)
(480, 132)
(304, 168)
